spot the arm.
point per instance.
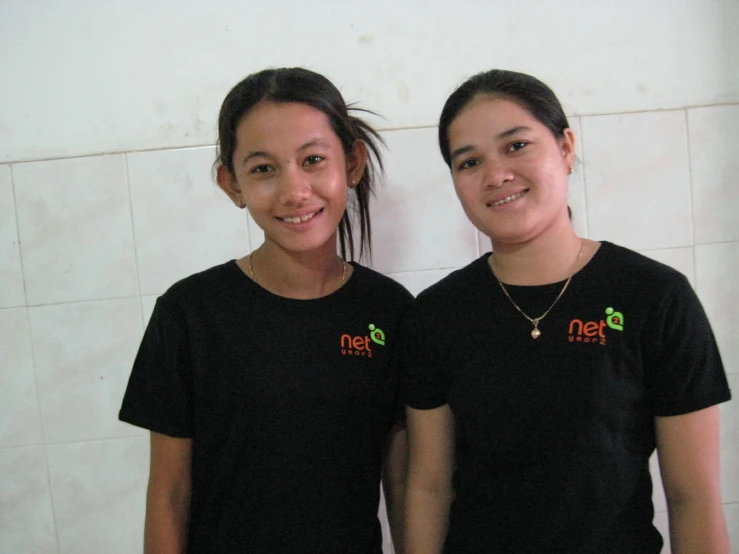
(688, 449)
(168, 495)
(394, 467)
(429, 488)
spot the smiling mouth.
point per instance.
(510, 198)
(300, 219)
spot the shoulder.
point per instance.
(379, 285)
(458, 285)
(204, 284)
(630, 268)
(453, 296)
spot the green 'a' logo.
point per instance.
(377, 335)
(615, 320)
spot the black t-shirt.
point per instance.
(287, 402)
(553, 435)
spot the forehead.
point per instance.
(488, 116)
(274, 125)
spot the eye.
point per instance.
(262, 169)
(516, 146)
(312, 160)
(469, 163)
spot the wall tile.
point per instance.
(256, 235)
(677, 258)
(637, 180)
(714, 158)
(147, 307)
(19, 410)
(417, 220)
(26, 517)
(731, 513)
(387, 540)
(11, 272)
(730, 444)
(658, 492)
(716, 270)
(99, 495)
(75, 229)
(84, 353)
(576, 190)
(182, 221)
(661, 522)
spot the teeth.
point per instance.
(509, 198)
(299, 219)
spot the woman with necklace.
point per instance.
(266, 381)
(540, 378)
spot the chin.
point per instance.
(306, 244)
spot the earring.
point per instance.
(240, 204)
(354, 184)
(570, 172)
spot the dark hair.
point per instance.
(533, 95)
(296, 84)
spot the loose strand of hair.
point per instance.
(358, 207)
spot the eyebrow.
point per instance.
(261, 154)
(504, 135)
(255, 154)
(314, 142)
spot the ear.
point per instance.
(356, 162)
(567, 143)
(228, 184)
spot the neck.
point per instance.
(550, 257)
(299, 275)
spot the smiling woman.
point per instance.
(540, 378)
(267, 382)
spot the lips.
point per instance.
(500, 201)
(300, 218)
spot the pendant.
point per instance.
(535, 334)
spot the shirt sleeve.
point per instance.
(424, 377)
(159, 392)
(683, 365)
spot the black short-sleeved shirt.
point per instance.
(553, 435)
(287, 402)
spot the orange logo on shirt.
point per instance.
(594, 331)
(360, 345)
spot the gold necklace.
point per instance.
(253, 276)
(535, 332)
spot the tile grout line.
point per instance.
(43, 429)
(692, 197)
(80, 441)
(133, 236)
(18, 235)
(379, 129)
(86, 301)
(33, 359)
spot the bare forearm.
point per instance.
(166, 526)
(426, 520)
(698, 528)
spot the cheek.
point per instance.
(466, 190)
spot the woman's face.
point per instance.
(291, 172)
(509, 170)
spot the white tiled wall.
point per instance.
(87, 243)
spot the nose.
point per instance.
(294, 187)
(497, 174)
